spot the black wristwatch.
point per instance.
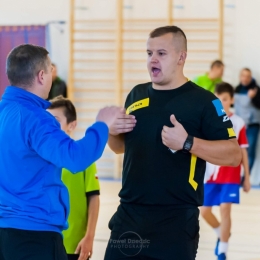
(188, 144)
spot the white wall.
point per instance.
(242, 39)
(247, 51)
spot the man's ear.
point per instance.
(40, 77)
(72, 125)
(183, 56)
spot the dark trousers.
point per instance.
(74, 257)
(142, 233)
(16, 244)
(252, 136)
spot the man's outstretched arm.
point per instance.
(123, 124)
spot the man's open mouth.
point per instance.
(155, 71)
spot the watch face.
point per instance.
(187, 145)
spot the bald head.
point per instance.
(179, 37)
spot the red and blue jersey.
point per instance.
(225, 174)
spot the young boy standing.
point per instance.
(222, 182)
(83, 190)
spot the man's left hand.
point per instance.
(174, 137)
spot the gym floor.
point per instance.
(244, 243)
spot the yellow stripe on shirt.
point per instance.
(193, 162)
(231, 132)
(137, 105)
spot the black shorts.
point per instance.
(73, 257)
(17, 244)
(142, 233)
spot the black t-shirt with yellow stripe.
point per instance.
(152, 174)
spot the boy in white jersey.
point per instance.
(222, 182)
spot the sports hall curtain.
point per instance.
(11, 36)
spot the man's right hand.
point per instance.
(252, 92)
(117, 120)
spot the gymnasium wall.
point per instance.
(35, 12)
(241, 37)
(242, 40)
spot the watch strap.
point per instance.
(188, 144)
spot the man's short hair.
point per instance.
(216, 63)
(224, 87)
(246, 69)
(23, 64)
(67, 105)
(176, 31)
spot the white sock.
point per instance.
(217, 231)
(223, 247)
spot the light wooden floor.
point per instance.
(244, 243)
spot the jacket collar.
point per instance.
(13, 93)
(252, 84)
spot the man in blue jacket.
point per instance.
(34, 203)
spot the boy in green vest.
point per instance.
(210, 79)
(83, 189)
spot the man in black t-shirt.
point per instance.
(175, 126)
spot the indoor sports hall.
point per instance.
(99, 51)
